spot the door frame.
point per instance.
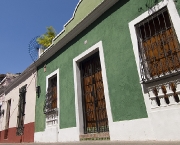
(77, 84)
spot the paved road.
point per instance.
(102, 143)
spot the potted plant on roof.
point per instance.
(45, 40)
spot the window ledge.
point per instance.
(155, 79)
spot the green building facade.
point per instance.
(90, 78)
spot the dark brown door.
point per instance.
(54, 92)
(94, 105)
(7, 119)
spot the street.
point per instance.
(104, 143)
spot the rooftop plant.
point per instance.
(45, 40)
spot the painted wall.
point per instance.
(132, 116)
(29, 117)
(164, 119)
(121, 70)
(83, 8)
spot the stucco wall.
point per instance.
(133, 117)
(126, 97)
(84, 7)
(14, 96)
(164, 119)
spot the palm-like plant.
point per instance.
(45, 40)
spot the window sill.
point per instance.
(155, 79)
(51, 111)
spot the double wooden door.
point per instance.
(93, 99)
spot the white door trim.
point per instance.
(77, 84)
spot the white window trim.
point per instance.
(56, 72)
(77, 84)
(174, 17)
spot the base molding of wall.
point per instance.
(28, 135)
(54, 134)
(49, 135)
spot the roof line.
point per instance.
(19, 78)
(89, 19)
(68, 21)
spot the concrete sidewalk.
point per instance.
(103, 143)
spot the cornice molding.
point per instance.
(96, 13)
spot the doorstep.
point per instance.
(95, 136)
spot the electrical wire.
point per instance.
(12, 112)
(33, 51)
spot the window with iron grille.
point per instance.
(51, 95)
(21, 111)
(159, 49)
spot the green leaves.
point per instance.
(45, 40)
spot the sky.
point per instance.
(23, 20)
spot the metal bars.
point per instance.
(94, 106)
(50, 104)
(21, 111)
(159, 49)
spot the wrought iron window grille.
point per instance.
(38, 90)
(48, 109)
(158, 46)
(21, 111)
(50, 103)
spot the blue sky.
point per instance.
(21, 21)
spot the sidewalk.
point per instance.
(103, 143)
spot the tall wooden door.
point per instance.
(54, 92)
(7, 119)
(94, 105)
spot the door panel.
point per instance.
(94, 106)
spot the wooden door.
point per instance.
(54, 92)
(94, 105)
(7, 119)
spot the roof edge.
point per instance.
(17, 80)
(90, 18)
